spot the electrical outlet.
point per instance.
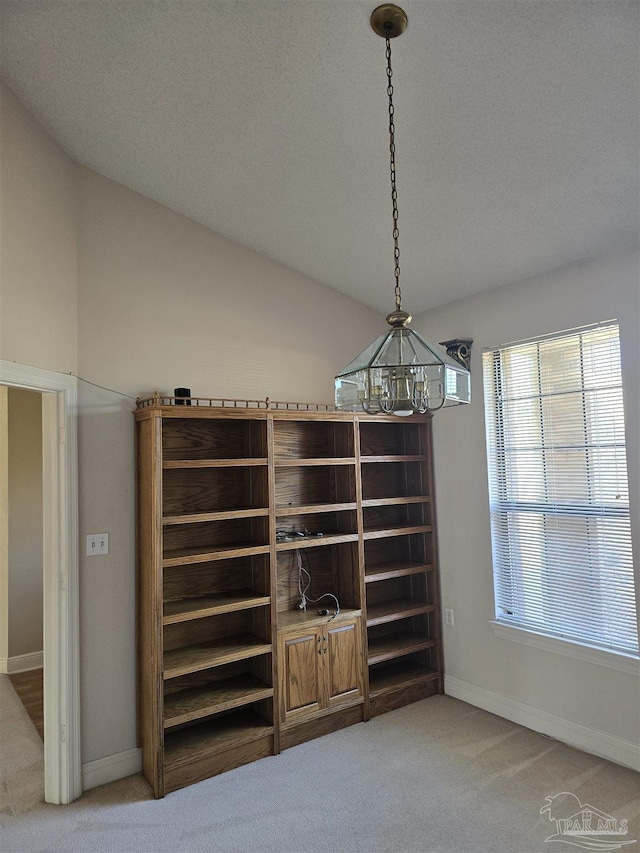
(448, 616)
(97, 543)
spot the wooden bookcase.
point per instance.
(229, 502)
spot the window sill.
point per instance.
(601, 657)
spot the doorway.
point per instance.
(21, 601)
(60, 575)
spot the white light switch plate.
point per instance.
(97, 543)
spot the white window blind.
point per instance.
(558, 488)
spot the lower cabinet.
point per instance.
(320, 666)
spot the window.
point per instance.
(558, 491)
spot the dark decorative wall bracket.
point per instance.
(459, 351)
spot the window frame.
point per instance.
(531, 635)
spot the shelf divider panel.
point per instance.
(398, 675)
(400, 608)
(226, 515)
(198, 702)
(185, 609)
(188, 556)
(188, 659)
(213, 736)
(396, 645)
(383, 532)
(213, 463)
(394, 569)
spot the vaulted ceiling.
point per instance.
(266, 120)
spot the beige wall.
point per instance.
(25, 522)
(4, 527)
(174, 304)
(38, 243)
(583, 693)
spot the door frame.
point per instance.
(62, 768)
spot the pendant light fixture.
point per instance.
(399, 372)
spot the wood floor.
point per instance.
(29, 687)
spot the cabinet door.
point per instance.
(300, 659)
(342, 662)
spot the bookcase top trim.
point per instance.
(166, 407)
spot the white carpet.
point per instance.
(436, 776)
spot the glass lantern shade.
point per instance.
(400, 373)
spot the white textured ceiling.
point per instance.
(517, 128)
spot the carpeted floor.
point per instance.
(438, 776)
(21, 758)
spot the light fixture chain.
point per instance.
(399, 373)
(392, 165)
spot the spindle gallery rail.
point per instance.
(157, 399)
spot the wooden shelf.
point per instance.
(182, 661)
(294, 619)
(401, 458)
(408, 499)
(227, 515)
(198, 702)
(187, 556)
(315, 541)
(214, 463)
(306, 509)
(396, 645)
(383, 532)
(394, 569)
(397, 676)
(185, 609)
(292, 462)
(399, 608)
(188, 744)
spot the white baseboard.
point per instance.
(21, 663)
(111, 768)
(598, 743)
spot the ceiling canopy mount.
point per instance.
(389, 20)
